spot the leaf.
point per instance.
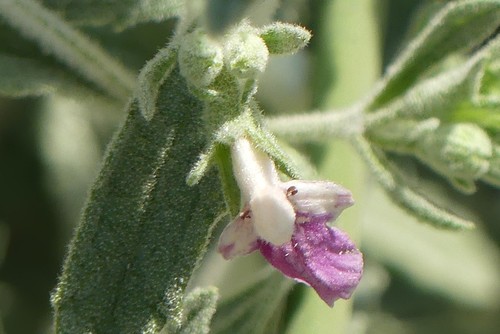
(199, 307)
(458, 27)
(69, 46)
(21, 77)
(143, 230)
(431, 97)
(403, 195)
(151, 78)
(256, 310)
(118, 13)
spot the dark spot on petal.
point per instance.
(291, 191)
(245, 214)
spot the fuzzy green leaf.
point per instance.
(256, 310)
(118, 13)
(284, 38)
(198, 309)
(69, 46)
(431, 97)
(459, 26)
(404, 195)
(143, 230)
(486, 117)
(152, 76)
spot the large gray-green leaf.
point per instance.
(256, 310)
(459, 26)
(143, 230)
(117, 13)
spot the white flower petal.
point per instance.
(239, 237)
(273, 215)
(317, 197)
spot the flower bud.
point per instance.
(200, 58)
(493, 175)
(284, 38)
(246, 54)
(461, 152)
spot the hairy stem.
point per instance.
(318, 125)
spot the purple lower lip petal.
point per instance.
(321, 256)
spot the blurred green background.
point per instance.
(417, 279)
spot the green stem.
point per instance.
(69, 45)
(317, 126)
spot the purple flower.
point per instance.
(287, 222)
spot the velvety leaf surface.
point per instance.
(198, 309)
(143, 230)
(256, 310)
(459, 26)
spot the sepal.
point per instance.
(284, 38)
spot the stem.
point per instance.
(68, 45)
(318, 125)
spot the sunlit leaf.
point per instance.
(143, 230)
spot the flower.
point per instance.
(287, 223)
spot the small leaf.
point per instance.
(198, 309)
(459, 26)
(461, 152)
(143, 230)
(229, 185)
(117, 13)
(245, 53)
(486, 117)
(201, 166)
(284, 38)
(433, 97)
(200, 58)
(405, 196)
(256, 310)
(151, 77)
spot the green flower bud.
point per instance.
(246, 54)
(402, 135)
(200, 58)
(493, 175)
(284, 38)
(461, 152)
